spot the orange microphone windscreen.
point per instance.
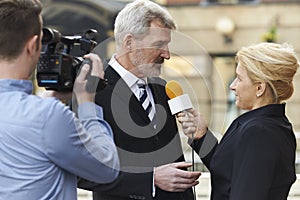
(173, 89)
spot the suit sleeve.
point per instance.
(205, 147)
(126, 185)
(254, 164)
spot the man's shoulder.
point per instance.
(157, 80)
(48, 104)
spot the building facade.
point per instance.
(209, 36)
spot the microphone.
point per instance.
(178, 101)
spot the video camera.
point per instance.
(57, 68)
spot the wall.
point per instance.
(251, 21)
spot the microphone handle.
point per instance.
(193, 158)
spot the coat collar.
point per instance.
(272, 110)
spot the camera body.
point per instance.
(57, 68)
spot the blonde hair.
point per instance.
(275, 64)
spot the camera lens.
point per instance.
(50, 36)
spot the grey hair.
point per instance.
(135, 19)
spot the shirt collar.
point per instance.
(129, 78)
(7, 85)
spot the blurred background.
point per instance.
(203, 52)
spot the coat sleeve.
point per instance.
(126, 185)
(254, 164)
(205, 147)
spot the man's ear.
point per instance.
(31, 45)
(127, 42)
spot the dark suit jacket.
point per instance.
(255, 160)
(140, 146)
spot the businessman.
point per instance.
(135, 105)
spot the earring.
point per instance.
(258, 95)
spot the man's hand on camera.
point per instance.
(80, 83)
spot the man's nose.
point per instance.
(165, 53)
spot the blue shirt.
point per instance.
(43, 146)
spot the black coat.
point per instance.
(255, 160)
(140, 146)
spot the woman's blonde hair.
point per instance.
(275, 64)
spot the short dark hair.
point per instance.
(19, 20)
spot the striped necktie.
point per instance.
(145, 100)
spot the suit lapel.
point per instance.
(158, 91)
(122, 93)
(157, 87)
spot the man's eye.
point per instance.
(158, 45)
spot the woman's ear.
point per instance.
(261, 88)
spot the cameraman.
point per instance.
(43, 146)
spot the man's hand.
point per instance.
(80, 83)
(173, 178)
